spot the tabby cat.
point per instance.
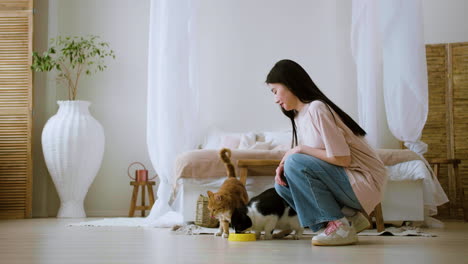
(231, 195)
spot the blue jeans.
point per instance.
(317, 190)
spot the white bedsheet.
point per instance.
(433, 194)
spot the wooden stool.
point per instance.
(143, 207)
(378, 214)
(455, 187)
(244, 166)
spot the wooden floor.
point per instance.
(53, 241)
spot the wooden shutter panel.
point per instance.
(15, 109)
(16, 5)
(446, 129)
(459, 78)
(436, 130)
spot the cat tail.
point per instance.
(225, 155)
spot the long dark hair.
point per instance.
(296, 79)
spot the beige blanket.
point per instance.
(205, 163)
(394, 156)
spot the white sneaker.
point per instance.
(336, 234)
(359, 222)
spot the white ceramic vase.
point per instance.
(73, 146)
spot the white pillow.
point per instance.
(230, 141)
(261, 145)
(247, 140)
(213, 140)
(217, 139)
(278, 137)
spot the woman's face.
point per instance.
(284, 97)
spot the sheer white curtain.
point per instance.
(405, 81)
(366, 48)
(172, 113)
(388, 47)
(172, 124)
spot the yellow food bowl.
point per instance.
(242, 237)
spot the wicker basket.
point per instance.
(203, 217)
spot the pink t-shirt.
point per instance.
(317, 128)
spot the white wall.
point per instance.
(238, 41)
(445, 21)
(118, 96)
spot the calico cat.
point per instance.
(266, 212)
(231, 195)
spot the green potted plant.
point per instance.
(72, 57)
(72, 140)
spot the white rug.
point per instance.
(166, 220)
(389, 231)
(397, 231)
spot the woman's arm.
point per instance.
(343, 161)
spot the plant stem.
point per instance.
(78, 73)
(69, 80)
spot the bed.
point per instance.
(412, 192)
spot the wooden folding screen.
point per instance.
(446, 129)
(16, 25)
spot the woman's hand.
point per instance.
(279, 177)
(297, 149)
